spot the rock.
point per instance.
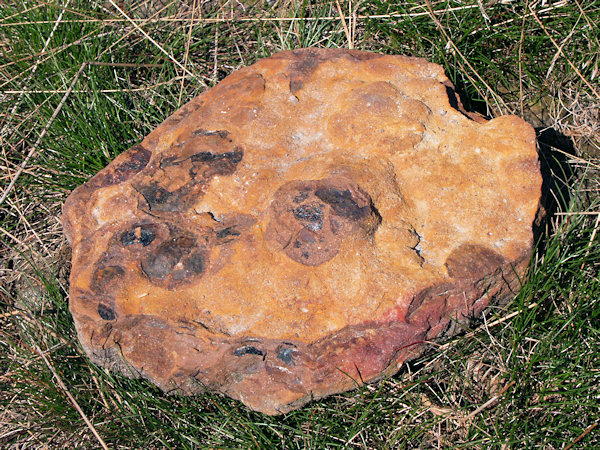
(303, 227)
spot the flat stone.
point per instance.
(303, 227)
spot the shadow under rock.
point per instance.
(558, 180)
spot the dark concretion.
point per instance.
(192, 265)
(342, 203)
(311, 214)
(248, 350)
(204, 166)
(310, 246)
(307, 61)
(161, 263)
(159, 199)
(314, 216)
(221, 163)
(132, 162)
(227, 232)
(472, 261)
(140, 234)
(169, 161)
(138, 158)
(178, 259)
(106, 312)
(285, 352)
(300, 72)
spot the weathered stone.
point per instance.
(304, 226)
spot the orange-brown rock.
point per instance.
(304, 226)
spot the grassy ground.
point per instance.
(82, 81)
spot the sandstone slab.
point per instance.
(304, 226)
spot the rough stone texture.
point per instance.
(304, 226)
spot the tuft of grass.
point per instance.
(82, 81)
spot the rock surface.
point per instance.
(304, 226)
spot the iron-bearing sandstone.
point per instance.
(305, 225)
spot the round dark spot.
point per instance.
(140, 234)
(310, 214)
(311, 218)
(248, 350)
(160, 199)
(285, 353)
(160, 264)
(130, 163)
(223, 163)
(473, 261)
(106, 312)
(176, 260)
(192, 265)
(342, 203)
(137, 159)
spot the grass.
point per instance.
(80, 83)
